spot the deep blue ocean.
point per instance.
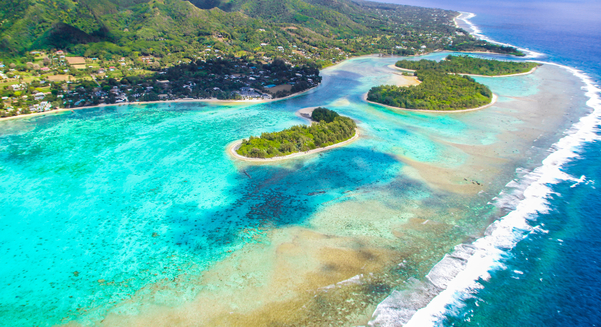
(552, 277)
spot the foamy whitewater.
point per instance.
(475, 31)
(457, 275)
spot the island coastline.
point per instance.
(305, 113)
(233, 146)
(492, 102)
(393, 66)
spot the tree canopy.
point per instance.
(298, 138)
(308, 30)
(437, 91)
(324, 114)
(469, 65)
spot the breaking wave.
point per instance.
(457, 274)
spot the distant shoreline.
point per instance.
(212, 100)
(492, 102)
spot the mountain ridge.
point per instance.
(165, 27)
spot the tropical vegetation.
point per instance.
(469, 65)
(299, 30)
(324, 114)
(437, 91)
(300, 138)
(69, 53)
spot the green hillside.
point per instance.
(320, 31)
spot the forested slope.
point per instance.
(316, 30)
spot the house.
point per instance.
(45, 69)
(163, 83)
(39, 96)
(41, 107)
(249, 93)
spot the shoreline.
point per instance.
(393, 66)
(492, 102)
(241, 102)
(473, 30)
(212, 100)
(500, 76)
(561, 153)
(302, 112)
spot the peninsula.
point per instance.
(328, 129)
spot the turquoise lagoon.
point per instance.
(131, 215)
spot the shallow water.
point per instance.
(136, 214)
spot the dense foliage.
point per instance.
(298, 138)
(307, 30)
(324, 114)
(469, 65)
(222, 79)
(437, 91)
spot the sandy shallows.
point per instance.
(356, 248)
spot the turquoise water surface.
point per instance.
(100, 203)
